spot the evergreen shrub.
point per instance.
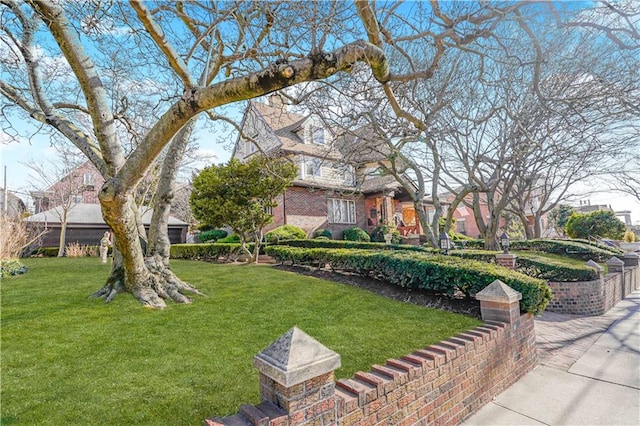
(442, 274)
(285, 232)
(322, 233)
(212, 235)
(355, 234)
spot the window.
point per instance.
(312, 168)
(341, 211)
(462, 226)
(249, 148)
(88, 179)
(317, 135)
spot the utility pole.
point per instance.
(5, 197)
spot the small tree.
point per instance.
(559, 216)
(241, 196)
(599, 223)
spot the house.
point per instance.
(86, 226)
(81, 184)
(334, 190)
(10, 204)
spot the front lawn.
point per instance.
(67, 359)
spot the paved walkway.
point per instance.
(589, 373)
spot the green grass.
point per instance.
(68, 359)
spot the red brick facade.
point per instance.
(83, 183)
(307, 209)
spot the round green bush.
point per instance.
(285, 232)
(355, 234)
(212, 235)
(233, 238)
(322, 233)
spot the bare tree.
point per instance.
(62, 185)
(255, 48)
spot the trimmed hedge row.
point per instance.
(536, 266)
(443, 274)
(212, 251)
(343, 244)
(575, 249)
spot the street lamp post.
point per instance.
(504, 242)
(445, 243)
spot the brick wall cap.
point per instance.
(614, 261)
(594, 265)
(296, 357)
(498, 291)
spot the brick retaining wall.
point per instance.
(593, 297)
(443, 383)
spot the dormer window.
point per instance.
(317, 135)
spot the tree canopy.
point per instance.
(241, 195)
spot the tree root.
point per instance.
(162, 284)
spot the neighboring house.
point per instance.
(11, 205)
(329, 192)
(82, 183)
(86, 226)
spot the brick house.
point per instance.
(329, 192)
(79, 190)
(82, 183)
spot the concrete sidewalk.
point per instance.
(589, 373)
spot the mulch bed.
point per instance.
(461, 305)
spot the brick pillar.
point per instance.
(506, 260)
(615, 265)
(296, 374)
(499, 302)
(630, 259)
(594, 265)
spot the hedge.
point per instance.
(443, 274)
(569, 248)
(212, 251)
(315, 243)
(575, 249)
(536, 266)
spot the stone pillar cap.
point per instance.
(594, 265)
(296, 357)
(498, 291)
(631, 254)
(615, 261)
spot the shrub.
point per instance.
(600, 223)
(570, 248)
(209, 252)
(629, 236)
(45, 252)
(232, 239)
(322, 233)
(285, 232)
(443, 274)
(11, 267)
(323, 243)
(14, 236)
(379, 232)
(76, 249)
(212, 235)
(355, 234)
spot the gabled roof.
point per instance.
(89, 214)
(288, 127)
